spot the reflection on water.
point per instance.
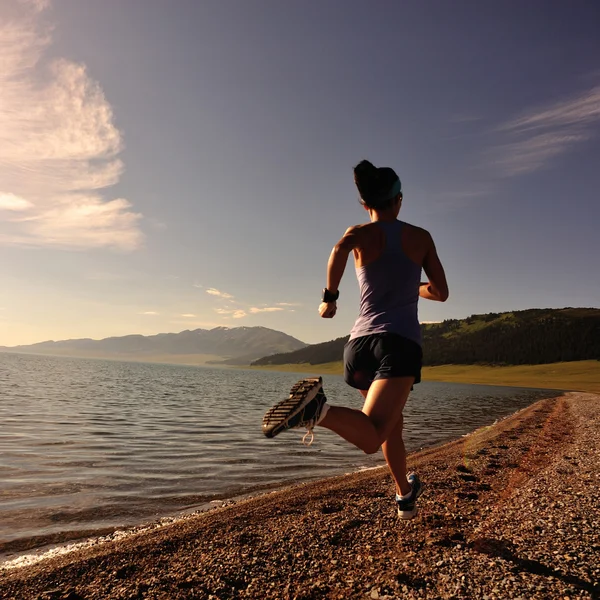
(88, 443)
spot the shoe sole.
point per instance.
(276, 419)
(406, 515)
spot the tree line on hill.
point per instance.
(535, 336)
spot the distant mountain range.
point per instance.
(221, 345)
(536, 336)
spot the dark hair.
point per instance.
(374, 184)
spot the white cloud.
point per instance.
(233, 308)
(188, 316)
(214, 292)
(13, 202)
(236, 313)
(150, 313)
(287, 304)
(59, 148)
(538, 136)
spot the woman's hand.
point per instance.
(327, 310)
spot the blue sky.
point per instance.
(174, 165)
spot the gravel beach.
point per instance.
(510, 511)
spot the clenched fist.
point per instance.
(327, 310)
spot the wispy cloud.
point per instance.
(150, 313)
(525, 143)
(59, 147)
(233, 308)
(188, 316)
(236, 313)
(535, 153)
(577, 110)
(214, 292)
(538, 136)
(36, 5)
(457, 199)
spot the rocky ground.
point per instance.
(511, 511)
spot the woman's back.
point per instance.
(389, 279)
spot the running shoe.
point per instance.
(407, 507)
(302, 409)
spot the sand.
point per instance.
(510, 511)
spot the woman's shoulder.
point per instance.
(360, 236)
(361, 226)
(361, 229)
(415, 230)
(413, 227)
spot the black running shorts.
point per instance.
(381, 356)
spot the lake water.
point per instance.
(92, 444)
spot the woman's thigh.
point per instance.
(384, 403)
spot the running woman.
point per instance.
(382, 358)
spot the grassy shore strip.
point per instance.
(502, 516)
(581, 375)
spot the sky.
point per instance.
(171, 165)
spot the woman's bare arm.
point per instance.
(339, 258)
(336, 267)
(437, 286)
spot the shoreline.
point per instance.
(340, 538)
(583, 375)
(26, 558)
(26, 551)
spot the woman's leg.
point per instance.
(370, 428)
(395, 456)
(396, 393)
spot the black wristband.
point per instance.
(329, 296)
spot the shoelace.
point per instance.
(310, 425)
(309, 431)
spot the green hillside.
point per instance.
(527, 337)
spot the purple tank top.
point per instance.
(389, 290)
